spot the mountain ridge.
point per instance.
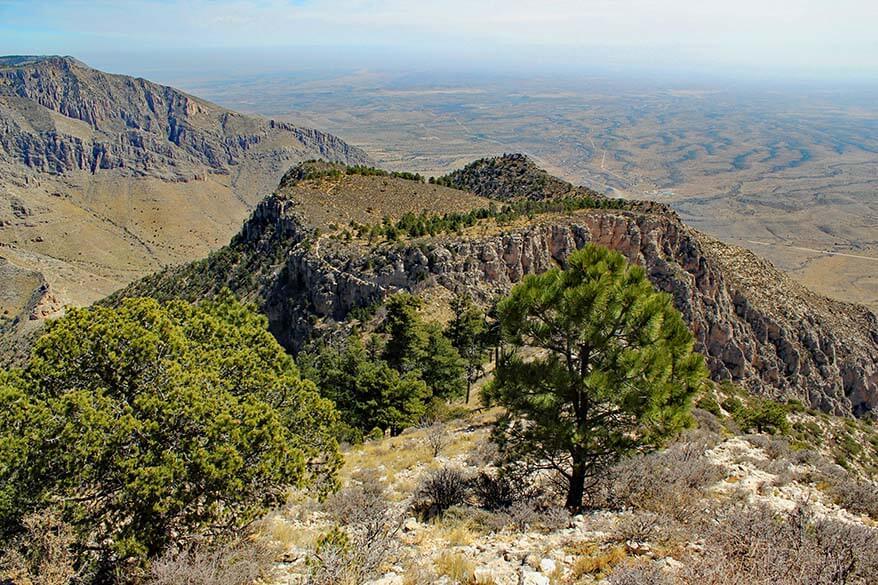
(105, 178)
(754, 325)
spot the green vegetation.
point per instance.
(313, 170)
(613, 373)
(395, 378)
(467, 332)
(508, 177)
(368, 392)
(432, 224)
(762, 415)
(155, 424)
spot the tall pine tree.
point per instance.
(466, 332)
(611, 368)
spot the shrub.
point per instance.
(439, 491)
(762, 415)
(759, 545)
(857, 496)
(639, 573)
(437, 438)
(42, 554)
(709, 404)
(500, 490)
(364, 538)
(670, 482)
(639, 526)
(151, 422)
(242, 562)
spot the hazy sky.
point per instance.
(835, 37)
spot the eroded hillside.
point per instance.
(105, 178)
(754, 324)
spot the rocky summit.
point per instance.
(105, 178)
(333, 241)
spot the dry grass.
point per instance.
(456, 567)
(392, 455)
(277, 529)
(368, 199)
(240, 563)
(598, 563)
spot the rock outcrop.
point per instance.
(754, 325)
(119, 122)
(106, 178)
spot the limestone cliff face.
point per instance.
(59, 115)
(754, 325)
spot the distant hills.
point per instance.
(105, 178)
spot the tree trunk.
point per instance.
(469, 385)
(577, 488)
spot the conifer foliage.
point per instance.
(150, 424)
(609, 368)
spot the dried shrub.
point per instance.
(241, 562)
(502, 489)
(439, 491)
(756, 545)
(670, 482)
(437, 438)
(775, 448)
(857, 496)
(708, 421)
(639, 573)
(42, 554)
(485, 453)
(639, 526)
(363, 540)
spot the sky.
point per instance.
(768, 37)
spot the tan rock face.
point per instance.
(133, 124)
(754, 325)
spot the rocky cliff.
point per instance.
(754, 325)
(132, 124)
(105, 178)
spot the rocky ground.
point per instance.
(717, 506)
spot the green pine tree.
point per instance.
(407, 341)
(466, 330)
(442, 367)
(367, 391)
(611, 368)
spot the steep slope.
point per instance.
(754, 324)
(104, 178)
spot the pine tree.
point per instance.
(407, 341)
(442, 367)
(613, 372)
(466, 331)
